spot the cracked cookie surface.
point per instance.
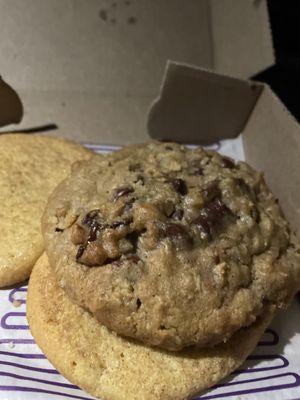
(170, 246)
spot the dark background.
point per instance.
(284, 76)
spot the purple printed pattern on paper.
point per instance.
(17, 341)
(283, 362)
(29, 368)
(260, 384)
(22, 355)
(6, 325)
(22, 378)
(36, 390)
(258, 389)
(272, 339)
(13, 295)
(23, 368)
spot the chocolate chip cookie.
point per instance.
(169, 245)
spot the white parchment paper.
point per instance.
(272, 372)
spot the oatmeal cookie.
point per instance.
(169, 245)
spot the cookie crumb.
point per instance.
(17, 303)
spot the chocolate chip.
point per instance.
(243, 185)
(179, 185)
(168, 208)
(198, 171)
(122, 191)
(138, 303)
(115, 263)
(172, 229)
(255, 214)
(246, 189)
(116, 224)
(133, 238)
(80, 251)
(216, 209)
(140, 179)
(196, 167)
(90, 220)
(211, 191)
(178, 235)
(168, 148)
(211, 215)
(93, 233)
(227, 163)
(58, 230)
(90, 217)
(177, 214)
(217, 259)
(129, 204)
(134, 167)
(133, 257)
(204, 226)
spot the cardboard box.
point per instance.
(94, 67)
(70, 64)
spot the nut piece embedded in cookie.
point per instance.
(171, 246)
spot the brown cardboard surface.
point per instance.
(198, 106)
(73, 66)
(93, 67)
(241, 37)
(272, 144)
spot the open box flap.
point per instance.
(94, 67)
(198, 106)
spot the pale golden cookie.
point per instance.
(30, 168)
(112, 368)
(170, 246)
